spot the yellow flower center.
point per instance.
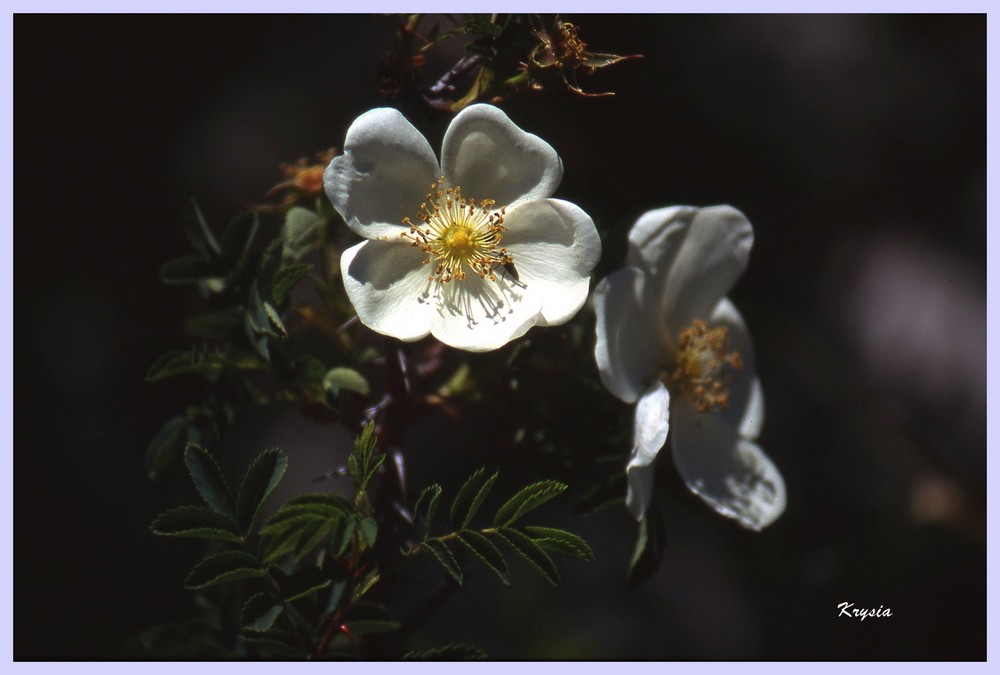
(703, 370)
(459, 235)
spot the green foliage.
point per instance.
(528, 499)
(470, 497)
(196, 521)
(363, 463)
(208, 480)
(531, 544)
(339, 378)
(303, 523)
(258, 483)
(560, 541)
(223, 567)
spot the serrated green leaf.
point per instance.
(484, 549)
(208, 479)
(345, 378)
(304, 582)
(238, 239)
(198, 233)
(423, 512)
(286, 279)
(471, 497)
(222, 568)
(529, 498)
(530, 551)
(188, 269)
(341, 537)
(454, 652)
(297, 232)
(168, 442)
(172, 364)
(275, 319)
(258, 483)
(198, 522)
(259, 613)
(365, 585)
(561, 541)
(270, 263)
(443, 555)
(368, 529)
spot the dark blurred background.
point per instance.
(855, 145)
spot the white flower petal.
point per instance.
(711, 258)
(480, 315)
(652, 423)
(746, 403)
(732, 474)
(490, 157)
(555, 247)
(383, 175)
(385, 282)
(627, 351)
(655, 239)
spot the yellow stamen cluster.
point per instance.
(457, 234)
(704, 370)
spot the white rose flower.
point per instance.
(670, 341)
(472, 250)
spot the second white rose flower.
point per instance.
(472, 250)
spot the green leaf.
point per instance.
(258, 484)
(275, 319)
(196, 521)
(369, 530)
(259, 613)
(454, 652)
(168, 442)
(439, 550)
(362, 464)
(197, 232)
(211, 324)
(223, 567)
(531, 552)
(484, 549)
(529, 498)
(286, 279)
(649, 544)
(304, 582)
(188, 269)
(345, 378)
(423, 512)
(172, 364)
(561, 541)
(297, 233)
(471, 497)
(207, 477)
(238, 239)
(341, 537)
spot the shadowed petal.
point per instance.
(555, 247)
(383, 175)
(627, 351)
(480, 315)
(652, 423)
(732, 474)
(386, 282)
(711, 258)
(746, 403)
(493, 158)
